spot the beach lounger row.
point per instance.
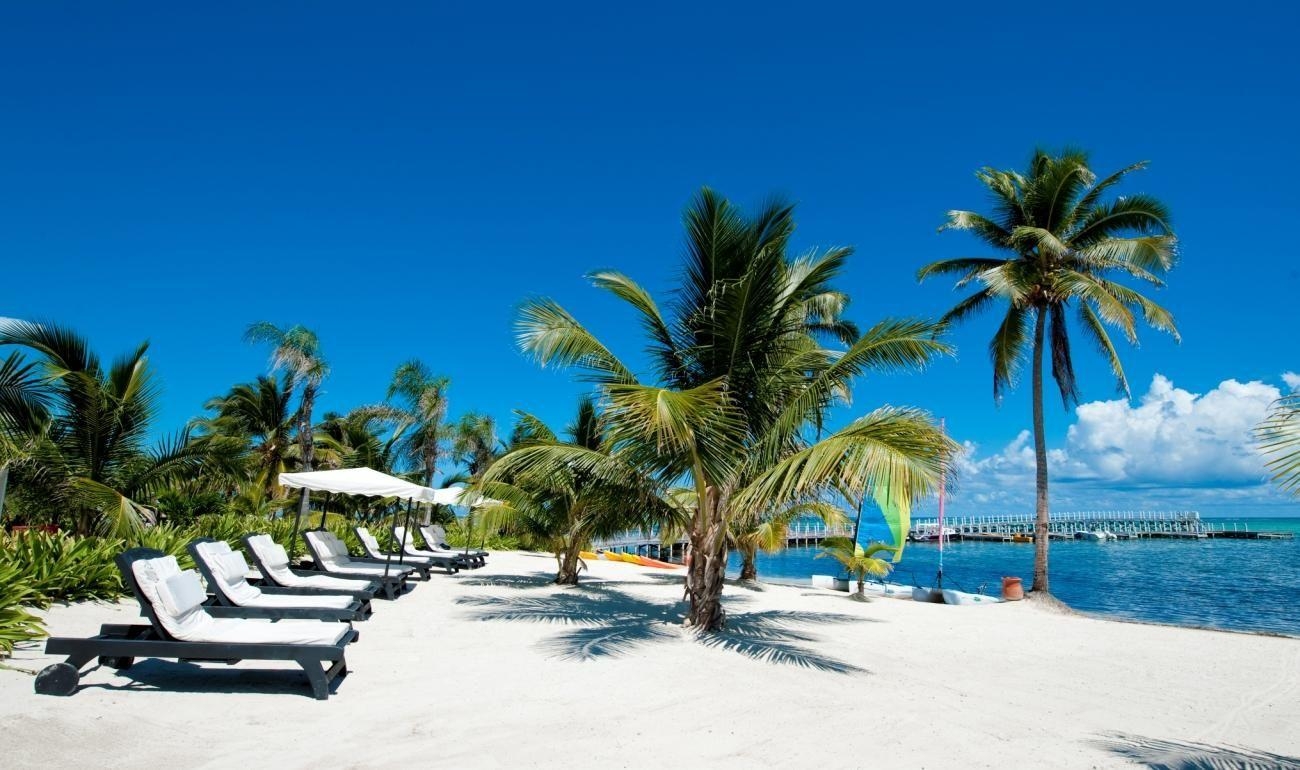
(283, 614)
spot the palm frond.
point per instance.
(553, 337)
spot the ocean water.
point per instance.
(1243, 585)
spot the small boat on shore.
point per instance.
(963, 598)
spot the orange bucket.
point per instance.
(1012, 589)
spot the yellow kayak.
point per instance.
(611, 556)
(589, 555)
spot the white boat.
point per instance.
(927, 595)
(888, 590)
(929, 533)
(1095, 536)
(962, 598)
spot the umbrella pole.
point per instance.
(324, 509)
(401, 551)
(388, 555)
(297, 522)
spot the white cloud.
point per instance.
(1172, 436)
(1173, 448)
(1292, 381)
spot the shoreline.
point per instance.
(498, 667)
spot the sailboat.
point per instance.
(938, 594)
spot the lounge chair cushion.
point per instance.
(275, 560)
(177, 597)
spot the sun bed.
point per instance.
(435, 537)
(272, 561)
(181, 627)
(331, 557)
(421, 563)
(225, 571)
(401, 535)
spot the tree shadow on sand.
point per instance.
(607, 622)
(1162, 754)
(510, 581)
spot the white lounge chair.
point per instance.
(225, 571)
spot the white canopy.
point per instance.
(359, 481)
(456, 496)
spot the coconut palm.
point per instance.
(767, 531)
(1063, 247)
(1279, 439)
(96, 463)
(560, 504)
(421, 411)
(858, 561)
(259, 414)
(296, 349)
(475, 446)
(740, 372)
(24, 415)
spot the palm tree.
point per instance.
(296, 349)
(258, 413)
(1279, 438)
(740, 373)
(767, 531)
(858, 561)
(560, 504)
(475, 446)
(95, 462)
(24, 415)
(1063, 245)
(422, 410)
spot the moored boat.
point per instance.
(963, 598)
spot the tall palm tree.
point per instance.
(421, 408)
(740, 374)
(257, 413)
(1064, 246)
(1279, 439)
(296, 349)
(561, 504)
(96, 462)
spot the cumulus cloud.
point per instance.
(1292, 381)
(1171, 445)
(1173, 436)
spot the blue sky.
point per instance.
(400, 179)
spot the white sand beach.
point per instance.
(496, 668)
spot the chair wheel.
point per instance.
(119, 663)
(57, 679)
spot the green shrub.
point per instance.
(64, 568)
(16, 623)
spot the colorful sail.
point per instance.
(898, 516)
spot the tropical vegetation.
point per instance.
(752, 351)
(1279, 439)
(1064, 249)
(859, 562)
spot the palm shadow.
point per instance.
(607, 622)
(510, 581)
(1161, 754)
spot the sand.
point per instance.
(495, 668)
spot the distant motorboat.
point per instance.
(929, 533)
(1099, 536)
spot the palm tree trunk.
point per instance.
(749, 563)
(708, 566)
(306, 443)
(1040, 459)
(568, 574)
(4, 485)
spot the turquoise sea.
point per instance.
(1244, 585)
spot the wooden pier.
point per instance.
(1104, 525)
(1117, 525)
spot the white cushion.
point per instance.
(279, 600)
(181, 593)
